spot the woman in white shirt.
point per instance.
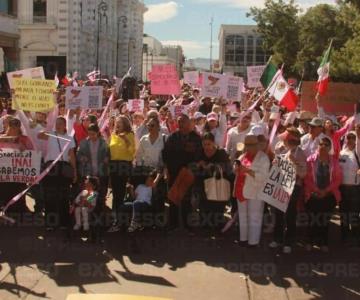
(151, 146)
(58, 181)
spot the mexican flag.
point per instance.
(268, 74)
(282, 92)
(323, 72)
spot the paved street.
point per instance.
(39, 265)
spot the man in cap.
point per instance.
(310, 141)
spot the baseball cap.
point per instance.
(317, 122)
(199, 115)
(212, 117)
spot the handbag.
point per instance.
(217, 189)
(183, 182)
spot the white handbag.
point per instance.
(217, 189)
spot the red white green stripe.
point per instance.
(323, 72)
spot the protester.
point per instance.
(182, 148)
(322, 193)
(251, 171)
(310, 141)
(122, 152)
(58, 181)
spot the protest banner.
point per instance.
(34, 95)
(253, 76)
(88, 97)
(213, 85)
(191, 77)
(339, 99)
(19, 166)
(136, 105)
(280, 184)
(234, 86)
(32, 73)
(165, 80)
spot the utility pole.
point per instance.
(211, 43)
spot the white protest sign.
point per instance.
(253, 76)
(32, 73)
(191, 77)
(234, 87)
(19, 166)
(136, 105)
(213, 85)
(280, 184)
(88, 97)
(177, 110)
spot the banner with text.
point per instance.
(253, 76)
(165, 80)
(234, 88)
(19, 166)
(34, 95)
(213, 85)
(136, 105)
(87, 97)
(280, 184)
(32, 73)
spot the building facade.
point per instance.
(9, 36)
(82, 35)
(240, 46)
(154, 53)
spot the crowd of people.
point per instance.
(147, 159)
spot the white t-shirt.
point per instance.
(234, 136)
(143, 193)
(149, 154)
(53, 150)
(349, 167)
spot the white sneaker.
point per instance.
(134, 226)
(77, 226)
(287, 249)
(273, 245)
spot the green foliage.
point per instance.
(299, 39)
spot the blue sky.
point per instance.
(186, 22)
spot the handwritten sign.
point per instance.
(34, 95)
(191, 77)
(87, 97)
(17, 166)
(32, 73)
(280, 184)
(253, 76)
(234, 86)
(213, 85)
(136, 105)
(165, 80)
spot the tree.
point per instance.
(279, 26)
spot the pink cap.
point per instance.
(212, 117)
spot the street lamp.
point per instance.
(101, 10)
(123, 20)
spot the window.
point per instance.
(8, 7)
(39, 11)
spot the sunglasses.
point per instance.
(151, 125)
(351, 137)
(325, 145)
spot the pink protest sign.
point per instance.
(165, 80)
(136, 105)
(191, 77)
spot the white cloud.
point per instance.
(161, 12)
(260, 3)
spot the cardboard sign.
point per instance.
(280, 184)
(234, 86)
(87, 97)
(136, 105)
(340, 97)
(253, 76)
(34, 95)
(19, 166)
(165, 80)
(191, 78)
(213, 85)
(32, 73)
